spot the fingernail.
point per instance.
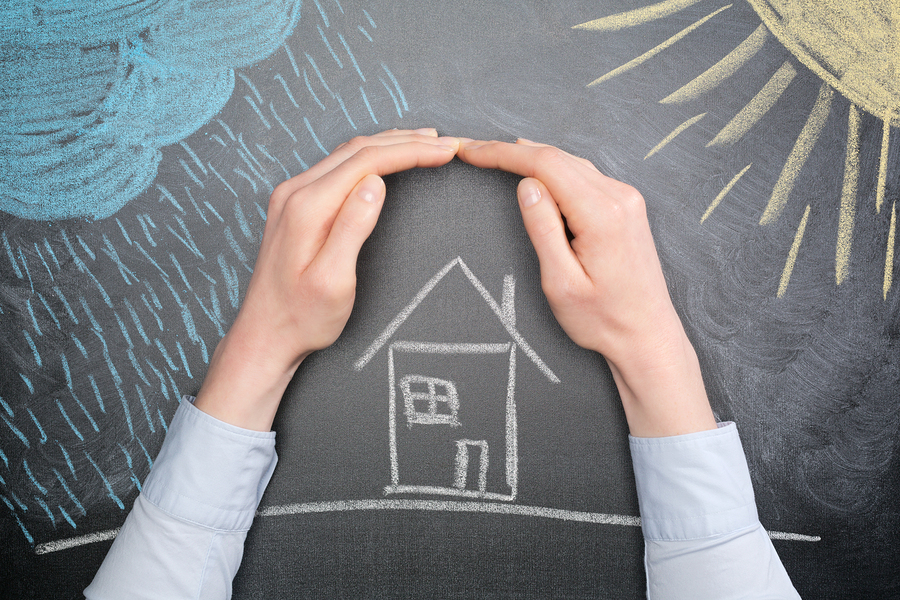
(529, 194)
(473, 144)
(370, 189)
(463, 140)
(449, 141)
(427, 131)
(448, 148)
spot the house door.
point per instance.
(466, 478)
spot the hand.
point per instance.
(606, 287)
(304, 283)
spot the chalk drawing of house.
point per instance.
(451, 406)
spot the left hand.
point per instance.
(304, 283)
(606, 286)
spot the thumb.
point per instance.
(353, 224)
(545, 227)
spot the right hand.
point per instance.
(606, 288)
(304, 283)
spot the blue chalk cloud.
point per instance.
(90, 91)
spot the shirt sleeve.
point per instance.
(702, 535)
(184, 537)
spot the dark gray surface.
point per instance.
(811, 378)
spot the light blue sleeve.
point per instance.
(702, 535)
(184, 537)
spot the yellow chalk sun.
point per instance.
(852, 45)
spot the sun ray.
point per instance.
(651, 53)
(720, 71)
(851, 45)
(638, 16)
(792, 255)
(882, 170)
(889, 257)
(757, 107)
(802, 148)
(854, 49)
(724, 192)
(674, 134)
(848, 198)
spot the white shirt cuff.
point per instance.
(209, 472)
(693, 486)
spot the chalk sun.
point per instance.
(853, 46)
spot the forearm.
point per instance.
(245, 381)
(661, 388)
(158, 557)
(703, 539)
(184, 537)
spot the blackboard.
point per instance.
(134, 202)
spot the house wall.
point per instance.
(427, 454)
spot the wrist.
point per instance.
(246, 379)
(661, 388)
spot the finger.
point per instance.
(391, 136)
(313, 209)
(524, 157)
(429, 131)
(351, 147)
(352, 226)
(328, 192)
(348, 149)
(426, 131)
(581, 160)
(545, 228)
(574, 187)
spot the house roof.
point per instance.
(503, 313)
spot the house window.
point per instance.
(429, 400)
